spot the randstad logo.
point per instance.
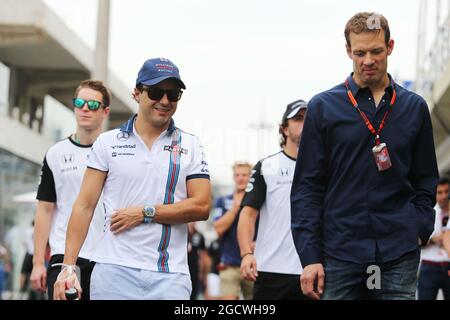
(123, 146)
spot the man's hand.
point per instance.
(437, 239)
(38, 277)
(67, 278)
(124, 219)
(248, 267)
(312, 280)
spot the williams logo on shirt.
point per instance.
(176, 149)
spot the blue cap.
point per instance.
(154, 71)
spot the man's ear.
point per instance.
(107, 111)
(135, 94)
(390, 46)
(286, 131)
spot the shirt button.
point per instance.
(370, 99)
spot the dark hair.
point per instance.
(359, 24)
(97, 86)
(444, 180)
(140, 87)
(283, 137)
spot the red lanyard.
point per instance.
(369, 125)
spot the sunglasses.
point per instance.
(92, 104)
(157, 94)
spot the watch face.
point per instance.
(149, 212)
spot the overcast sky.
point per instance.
(242, 61)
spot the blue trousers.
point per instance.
(397, 280)
(114, 282)
(431, 279)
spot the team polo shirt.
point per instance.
(61, 177)
(138, 176)
(269, 191)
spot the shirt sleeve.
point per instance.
(308, 187)
(97, 156)
(424, 175)
(198, 167)
(46, 190)
(219, 209)
(255, 194)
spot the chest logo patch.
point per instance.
(284, 172)
(68, 158)
(176, 149)
(123, 136)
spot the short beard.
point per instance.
(296, 141)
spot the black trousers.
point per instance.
(277, 286)
(86, 267)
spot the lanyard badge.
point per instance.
(381, 156)
(380, 151)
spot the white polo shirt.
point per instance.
(269, 191)
(61, 177)
(433, 252)
(139, 176)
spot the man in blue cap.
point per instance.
(155, 179)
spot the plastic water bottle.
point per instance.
(72, 294)
(73, 271)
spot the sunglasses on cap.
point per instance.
(154, 93)
(92, 104)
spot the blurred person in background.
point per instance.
(212, 288)
(27, 266)
(196, 260)
(225, 215)
(435, 262)
(5, 267)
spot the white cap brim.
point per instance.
(301, 105)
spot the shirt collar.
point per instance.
(128, 126)
(354, 88)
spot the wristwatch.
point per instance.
(149, 213)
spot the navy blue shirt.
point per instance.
(229, 245)
(341, 205)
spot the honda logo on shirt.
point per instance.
(284, 172)
(68, 158)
